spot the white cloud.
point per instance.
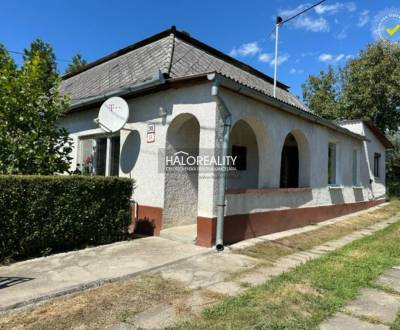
(310, 24)
(329, 58)
(306, 22)
(286, 13)
(248, 49)
(339, 57)
(342, 34)
(325, 57)
(363, 18)
(334, 8)
(281, 59)
(270, 58)
(264, 57)
(295, 71)
(305, 54)
(351, 6)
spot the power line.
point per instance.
(20, 53)
(301, 12)
(279, 22)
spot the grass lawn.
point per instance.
(97, 308)
(272, 250)
(296, 300)
(302, 298)
(396, 324)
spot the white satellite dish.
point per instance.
(113, 114)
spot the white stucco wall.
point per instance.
(150, 181)
(371, 146)
(271, 126)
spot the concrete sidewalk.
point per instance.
(27, 282)
(374, 309)
(35, 280)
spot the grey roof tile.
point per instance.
(176, 55)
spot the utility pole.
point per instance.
(278, 23)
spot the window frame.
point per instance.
(336, 181)
(377, 164)
(108, 153)
(356, 179)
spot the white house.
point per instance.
(292, 167)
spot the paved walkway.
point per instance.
(207, 273)
(227, 274)
(38, 279)
(374, 309)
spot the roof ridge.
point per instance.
(184, 36)
(172, 50)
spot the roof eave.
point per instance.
(250, 92)
(379, 134)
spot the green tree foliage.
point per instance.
(393, 164)
(321, 94)
(368, 87)
(30, 107)
(78, 62)
(371, 85)
(46, 68)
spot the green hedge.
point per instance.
(40, 215)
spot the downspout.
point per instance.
(226, 117)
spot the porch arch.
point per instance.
(181, 187)
(248, 137)
(295, 161)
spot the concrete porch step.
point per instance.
(184, 234)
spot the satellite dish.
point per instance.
(113, 114)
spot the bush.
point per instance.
(45, 214)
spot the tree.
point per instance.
(393, 164)
(30, 141)
(368, 87)
(371, 85)
(47, 66)
(321, 94)
(78, 62)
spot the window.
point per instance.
(377, 161)
(114, 166)
(355, 167)
(332, 163)
(100, 156)
(241, 157)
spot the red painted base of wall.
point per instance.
(243, 226)
(149, 220)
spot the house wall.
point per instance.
(269, 208)
(271, 127)
(141, 160)
(371, 146)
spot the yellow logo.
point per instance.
(394, 30)
(386, 25)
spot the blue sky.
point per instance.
(327, 35)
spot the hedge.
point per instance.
(40, 215)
